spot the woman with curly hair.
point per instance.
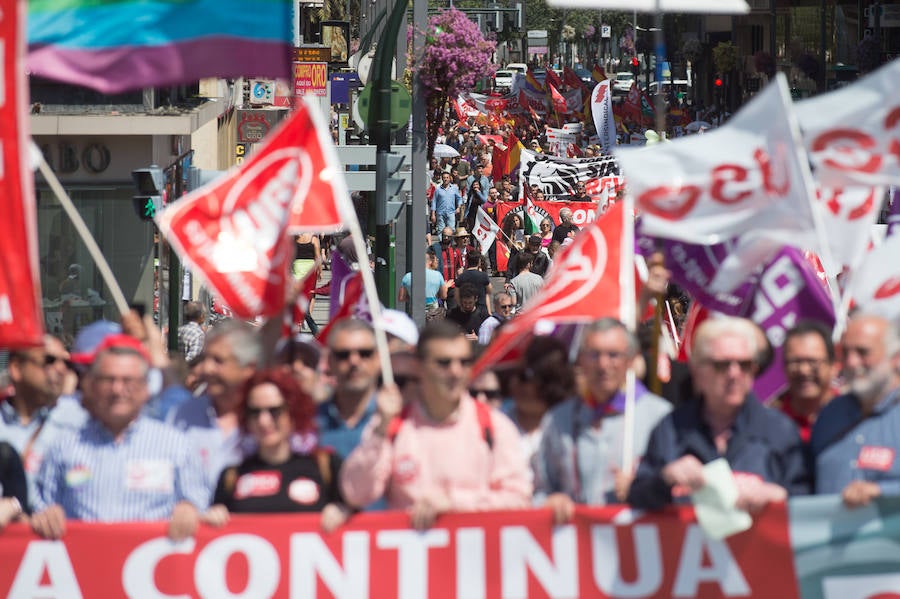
(280, 476)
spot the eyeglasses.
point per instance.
(795, 363)
(505, 306)
(594, 355)
(723, 366)
(273, 411)
(342, 355)
(545, 225)
(488, 393)
(131, 383)
(446, 362)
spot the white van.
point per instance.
(519, 67)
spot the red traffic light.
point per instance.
(718, 82)
(634, 61)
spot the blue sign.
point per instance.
(341, 84)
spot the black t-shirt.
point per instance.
(469, 321)
(477, 278)
(562, 231)
(294, 486)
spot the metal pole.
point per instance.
(175, 277)
(415, 211)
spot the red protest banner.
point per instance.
(604, 552)
(21, 320)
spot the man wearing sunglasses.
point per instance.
(445, 451)
(354, 367)
(30, 419)
(725, 420)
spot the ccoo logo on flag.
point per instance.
(862, 586)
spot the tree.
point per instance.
(456, 55)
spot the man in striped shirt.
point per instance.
(120, 465)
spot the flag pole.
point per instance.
(93, 249)
(628, 314)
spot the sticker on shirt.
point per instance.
(304, 491)
(258, 484)
(77, 476)
(406, 469)
(873, 457)
(151, 476)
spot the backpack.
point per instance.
(482, 411)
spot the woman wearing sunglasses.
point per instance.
(282, 476)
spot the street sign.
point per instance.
(605, 31)
(401, 105)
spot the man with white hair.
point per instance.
(855, 438)
(725, 420)
(566, 228)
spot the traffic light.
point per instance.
(151, 187)
(386, 166)
(635, 65)
(718, 81)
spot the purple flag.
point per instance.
(340, 271)
(786, 291)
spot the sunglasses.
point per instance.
(505, 306)
(402, 380)
(446, 362)
(488, 393)
(273, 411)
(342, 355)
(50, 361)
(722, 366)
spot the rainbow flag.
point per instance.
(117, 45)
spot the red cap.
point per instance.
(123, 341)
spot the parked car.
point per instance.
(682, 87)
(503, 79)
(518, 67)
(585, 75)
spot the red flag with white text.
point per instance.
(582, 285)
(234, 231)
(557, 100)
(21, 318)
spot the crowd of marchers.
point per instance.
(115, 429)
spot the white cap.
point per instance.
(400, 325)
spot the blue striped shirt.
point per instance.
(95, 478)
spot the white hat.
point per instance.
(400, 325)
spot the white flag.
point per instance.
(848, 215)
(485, 230)
(851, 134)
(748, 180)
(875, 286)
(604, 122)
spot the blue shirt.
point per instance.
(42, 430)
(95, 478)
(333, 430)
(433, 283)
(848, 447)
(446, 199)
(217, 451)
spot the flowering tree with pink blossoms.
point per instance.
(456, 55)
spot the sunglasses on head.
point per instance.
(273, 411)
(344, 354)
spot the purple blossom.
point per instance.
(456, 55)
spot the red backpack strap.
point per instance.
(396, 423)
(483, 412)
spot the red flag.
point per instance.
(632, 104)
(598, 74)
(586, 270)
(234, 231)
(500, 160)
(556, 98)
(21, 319)
(571, 78)
(553, 79)
(354, 303)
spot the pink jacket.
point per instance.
(451, 458)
